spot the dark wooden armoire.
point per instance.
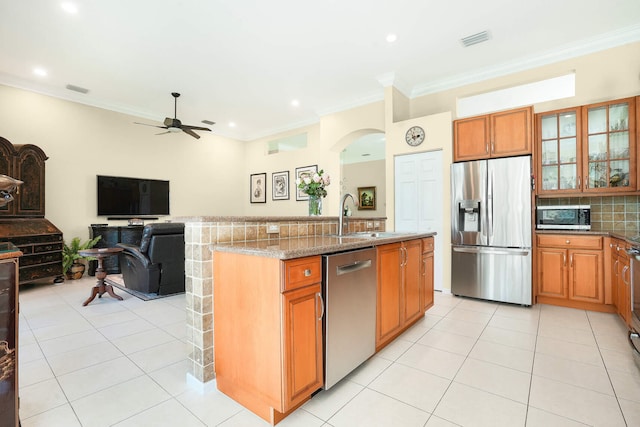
(22, 221)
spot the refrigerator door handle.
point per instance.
(489, 204)
(492, 251)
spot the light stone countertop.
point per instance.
(310, 245)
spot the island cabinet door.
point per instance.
(389, 305)
(427, 281)
(302, 325)
(412, 280)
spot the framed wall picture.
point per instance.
(258, 188)
(280, 185)
(301, 173)
(366, 198)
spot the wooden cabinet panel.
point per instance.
(503, 134)
(427, 277)
(400, 288)
(471, 138)
(511, 132)
(389, 315)
(302, 343)
(570, 271)
(9, 415)
(570, 241)
(412, 278)
(302, 272)
(551, 272)
(586, 278)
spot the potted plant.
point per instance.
(72, 268)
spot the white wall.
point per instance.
(206, 175)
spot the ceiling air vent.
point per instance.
(480, 37)
(77, 89)
(208, 122)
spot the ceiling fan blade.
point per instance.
(162, 133)
(195, 127)
(190, 132)
(147, 124)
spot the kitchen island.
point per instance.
(269, 306)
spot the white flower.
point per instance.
(298, 181)
(326, 179)
(307, 180)
(316, 178)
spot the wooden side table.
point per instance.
(100, 288)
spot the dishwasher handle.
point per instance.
(352, 267)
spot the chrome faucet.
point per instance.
(341, 214)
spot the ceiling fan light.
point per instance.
(174, 129)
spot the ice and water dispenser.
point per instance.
(469, 215)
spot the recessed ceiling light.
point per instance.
(40, 72)
(391, 37)
(295, 103)
(232, 124)
(69, 7)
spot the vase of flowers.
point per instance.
(314, 186)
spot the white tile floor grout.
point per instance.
(468, 362)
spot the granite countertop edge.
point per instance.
(310, 245)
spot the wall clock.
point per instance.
(414, 136)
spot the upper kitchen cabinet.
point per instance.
(559, 153)
(587, 149)
(508, 133)
(610, 145)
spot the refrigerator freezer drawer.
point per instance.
(495, 274)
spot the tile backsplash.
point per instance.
(612, 213)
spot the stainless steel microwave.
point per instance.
(563, 217)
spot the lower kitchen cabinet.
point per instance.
(400, 286)
(268, 331)
(427, 273)
(570, 271)
(621, 279)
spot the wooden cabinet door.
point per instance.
(389, 315)
(586, 278)
(511, 132)
(427, 280)
(552, 272)
(471, 139)
(302, 325)
(624, 290)
(412, 280)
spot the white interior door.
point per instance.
(419, 199)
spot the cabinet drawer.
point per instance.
(570, 241)
(427, 245)
(301, 272)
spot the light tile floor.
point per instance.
(468, 362)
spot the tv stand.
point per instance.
(111, 236)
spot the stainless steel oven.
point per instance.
(634, 334)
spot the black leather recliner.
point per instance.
(157, 266)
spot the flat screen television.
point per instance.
(123, 197)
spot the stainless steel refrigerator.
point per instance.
(491, 229)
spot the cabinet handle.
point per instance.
(615, 267)
(424, 266)
(319, 296)
(307, 272)
(579, 183)
(493, 147)
(568, 241)
(564, 260)
(571, 261)
(624, 270)
(486, 148)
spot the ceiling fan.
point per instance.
(175, 125)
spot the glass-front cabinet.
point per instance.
(559, 133)
(587, 149)
(610, 145)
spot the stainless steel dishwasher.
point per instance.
(349, 286)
